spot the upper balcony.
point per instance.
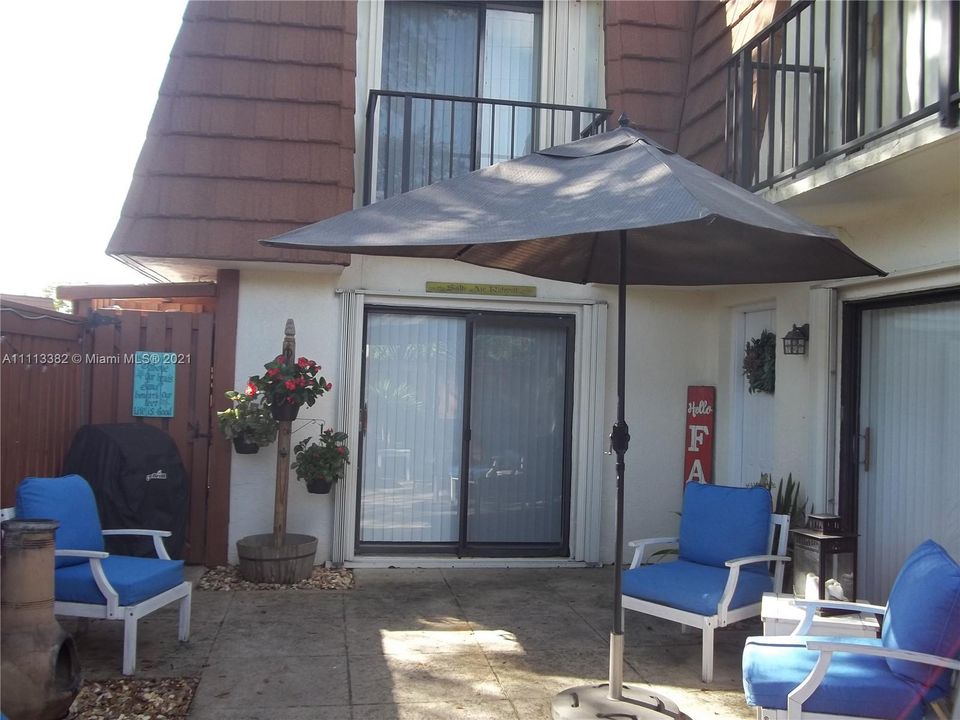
(416, 139)
(826, 78)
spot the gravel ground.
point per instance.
(134, 699)
(227, 577)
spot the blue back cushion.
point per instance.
(69, 500)
(923, 612)
(721, 523)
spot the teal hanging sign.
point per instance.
(154, 383)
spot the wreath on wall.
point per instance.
(760, 361)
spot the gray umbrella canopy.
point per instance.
(559, 214)
(615, 208)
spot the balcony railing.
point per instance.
(416, 139)
(825, 78)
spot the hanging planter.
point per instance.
(244, 446)
(759, 363)
(247, 423)
(322, 463)
(319, 486)
(287, 411)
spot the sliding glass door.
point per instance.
(467, 434)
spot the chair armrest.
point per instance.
(89, 554)
(802, 692)
(810, 608)
(727, 596)
(99, 577)
(833, 646)
(158, 545)
(750, 559)
(841, 605)
(640, 547)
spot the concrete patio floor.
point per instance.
(417, 644)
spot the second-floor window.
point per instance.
(462, 49)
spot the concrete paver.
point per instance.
(471, 644)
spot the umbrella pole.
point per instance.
(619, 441)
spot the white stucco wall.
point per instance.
(676, 338)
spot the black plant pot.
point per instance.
(244, 446)
(318, 486)
(286, 411)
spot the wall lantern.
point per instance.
(795, 341)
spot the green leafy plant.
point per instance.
(760, 362)
(289, 382)
(326, 459)
(248, 419)
(787, 499)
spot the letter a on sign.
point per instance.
(698, 437)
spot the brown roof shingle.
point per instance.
(252, 134)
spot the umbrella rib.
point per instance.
(462, 251)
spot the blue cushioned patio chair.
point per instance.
(897, 675)
(722, 570)
(91, 583)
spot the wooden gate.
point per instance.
(63, 371)
(116, 336)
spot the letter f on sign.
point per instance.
(697, 434)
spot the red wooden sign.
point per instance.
(698, 439)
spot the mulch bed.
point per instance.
(134, 699)
(227, 577)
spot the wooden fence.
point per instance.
(41, 391)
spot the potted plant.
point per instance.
(787, 502)
(287, 384)
(248, 423)
(322, 463)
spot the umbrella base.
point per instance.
(592, 701)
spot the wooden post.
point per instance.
(283, 449)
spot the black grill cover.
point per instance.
(139, 482)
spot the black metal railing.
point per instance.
(825, 78)
(416, 139)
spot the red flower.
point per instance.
(279, 359)
(290, 385)
(328, 386)
(273, 372)
(251, 390)
(301, 381)
(341, 450)
(303, 362)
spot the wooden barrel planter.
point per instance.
(263, 561)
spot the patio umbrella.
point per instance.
(615, 208)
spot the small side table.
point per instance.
(780, 617)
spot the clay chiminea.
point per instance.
(39, 669)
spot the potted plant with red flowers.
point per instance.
(322, 463)
(248, 423)
(287, 384)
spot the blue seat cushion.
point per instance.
(71, 502)
(692, 587)
(923, 613)
(722, 523)
(134, 578)
(858, 685)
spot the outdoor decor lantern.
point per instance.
(824, 561)
(795, 341)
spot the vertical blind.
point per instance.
(412, 446)
(517, 434)
(910, 401)
(428, 48)
(416, 400)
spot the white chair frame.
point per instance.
(724, 615)
(113, 610)
(809, 685)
